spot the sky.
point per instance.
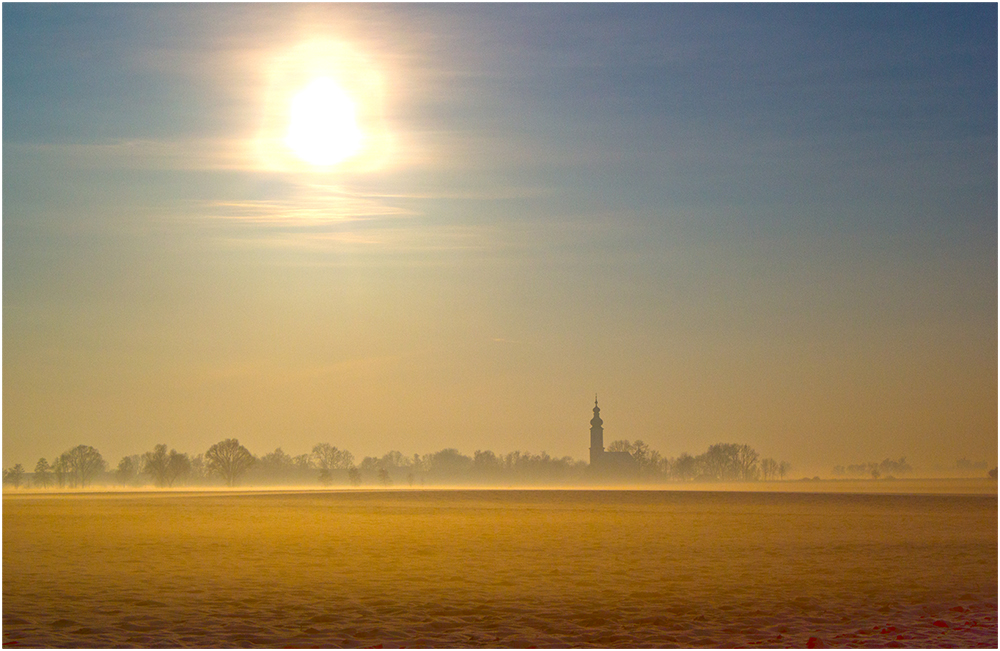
(762, 224)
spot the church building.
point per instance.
(608, 464)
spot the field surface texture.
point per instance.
(456, 568)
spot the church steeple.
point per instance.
(596, 435)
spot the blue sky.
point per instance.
(772, 224)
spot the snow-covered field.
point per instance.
(504, 568)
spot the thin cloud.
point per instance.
(303, 212)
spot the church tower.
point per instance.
(596, 436)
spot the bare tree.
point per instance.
(649, 461)
(783, 469)
(127, 471)
(165, 467)
(83, 462)
(43, 473)
(656, 464)
(486, 465)
(684, 467)
(354, 476)
(891, 467)
(229, 460)
(621, 445)
(328, 458)
(730, 462)
(719, 461)
(395, 459)
(768, 469)
(448, 465)
(199, 471)
(14, 475)
(302, 463)
(273, 467)
(61, 470)
(154, 464)
(746, 463)
(369, 466)
(178, 465)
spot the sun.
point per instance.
(323, 124)
(323, 111)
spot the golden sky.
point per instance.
(764, 224)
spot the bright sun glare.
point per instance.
(323, 126)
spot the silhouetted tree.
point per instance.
(621, 445)
(354, 476)
(746, 463)
(229, 460)
(889, 467)
(684, 467)
(993, 473)
(369, 467)
(719, 462)
(729, 462)
(301, 463)
(449, 464)
(653, 465)
(394, 460)
(43, 474)
(127, 472)
(14, 475)
(768, 469)
(60, 469)
(783, 469)
(328, 458)
(83, 462)
(966, 465)
(178, 465)
(199, 469)
(383, 477)
(276, 468)
(486, 466)
(154, 464)
(649, 462)
(165, 467)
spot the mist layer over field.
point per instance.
(499, 568)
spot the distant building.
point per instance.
(617, 465)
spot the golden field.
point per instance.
(500, 568)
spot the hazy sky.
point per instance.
(773, 225)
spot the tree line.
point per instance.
(230, 463)
(887, 468)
